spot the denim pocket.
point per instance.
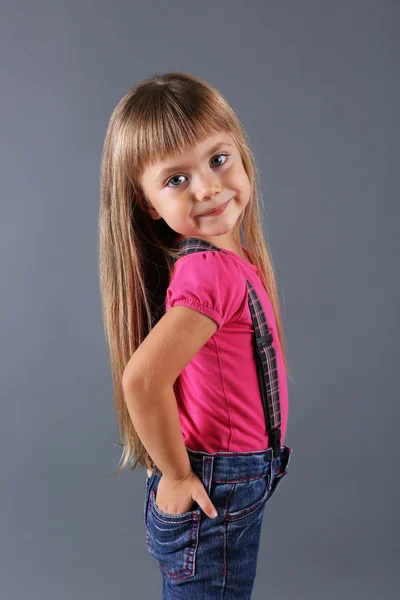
(173, 539)
(250, 496)
(247, 497)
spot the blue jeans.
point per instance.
(202, 558)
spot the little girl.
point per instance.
(192, 320)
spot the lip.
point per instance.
(217, 211)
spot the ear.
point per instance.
(153, 214)
(145, 207)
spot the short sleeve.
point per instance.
(210, 282)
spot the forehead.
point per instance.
(175, 160)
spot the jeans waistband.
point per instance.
(236, 466)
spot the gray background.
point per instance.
(316, 85)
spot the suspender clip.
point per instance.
(264, 340)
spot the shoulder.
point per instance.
(207, 261)
(210, 280)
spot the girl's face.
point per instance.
(182, 188)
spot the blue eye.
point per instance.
(177, 176)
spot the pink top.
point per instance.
(218, 394)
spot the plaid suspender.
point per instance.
(264, 350)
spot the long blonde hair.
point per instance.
(161, 115)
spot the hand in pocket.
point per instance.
(177, 497)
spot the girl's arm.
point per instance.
(155, 417)
(148, 385)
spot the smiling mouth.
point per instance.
(216, 211)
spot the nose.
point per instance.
(208, 186)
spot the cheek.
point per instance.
(238, 180)
(246, 181)
(176, 216)
(242, 184)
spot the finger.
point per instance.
(206, 505)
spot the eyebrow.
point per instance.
(168, 170)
